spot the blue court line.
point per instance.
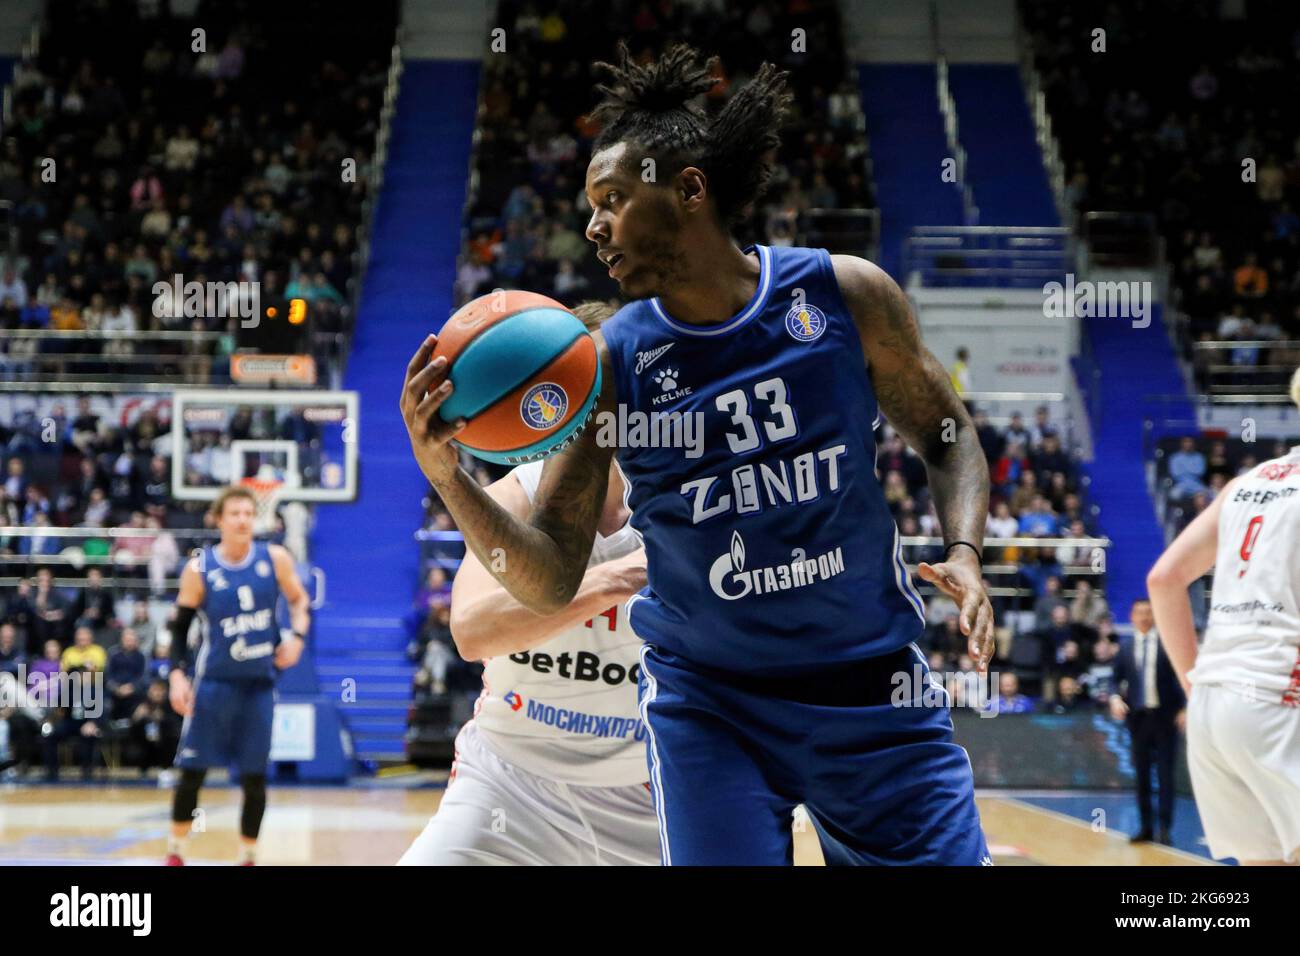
(1122, 815)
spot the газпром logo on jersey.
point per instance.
(730, 581)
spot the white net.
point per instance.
(267, 492)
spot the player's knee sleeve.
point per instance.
(186, 797)
(254, 787)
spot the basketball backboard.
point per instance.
(307, 439)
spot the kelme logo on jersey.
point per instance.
(514, 700)
(669, 391)
(805, 322)
(543, 406)
(731, 581)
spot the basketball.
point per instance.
(525, 376)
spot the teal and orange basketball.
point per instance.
(525, 376)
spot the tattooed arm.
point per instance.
(541, 561)
(916, 395)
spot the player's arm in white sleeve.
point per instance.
(289, 650)
(179, 687)
(1188, 558)
(487, 622)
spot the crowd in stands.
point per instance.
(526, 222)
(136, 155)
(84, 669)
(1209, 143)
(1191, 470)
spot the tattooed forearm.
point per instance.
(917, 398)
(524, 559)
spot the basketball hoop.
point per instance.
(267, 493)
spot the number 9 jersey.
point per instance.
(1252, 638)
(239, 603)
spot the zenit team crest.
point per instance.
(543, 406)
(805, 322)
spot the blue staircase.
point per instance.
(1134, 364)
(908, 147)
(366, 547)
(1003, 162)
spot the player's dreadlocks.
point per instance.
(651, 106)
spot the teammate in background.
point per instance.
(229, 708)
(1243, 721)
(551, 769)
(778, 613)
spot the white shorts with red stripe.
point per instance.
(1244, 756)
(495, 814)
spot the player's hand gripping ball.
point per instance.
(524, 374)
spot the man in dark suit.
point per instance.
(1151, 697)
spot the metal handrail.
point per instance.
(1036, 99)
(948, 110)
(160, 335)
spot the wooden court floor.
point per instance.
(373, 825)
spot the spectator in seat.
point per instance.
(1249, 280)
(1000, 523)
(125, 675)
(49, 619)
(1017, 432)
(1069, 696)
(1009, 468)
(84, 652)
(160, 664)
(1009, 699)
(80, 721)
(1041, 428)
(1088, 606)
(11, 655)
(1049, 458)
(1099, 679)
(94, 605)
(1039, 521)
(1026, 490)
(1037, 565)
(990, 438)
(1048, 602)
(155, 730)
(1073, 554)
(1187, 470)
(19, 728)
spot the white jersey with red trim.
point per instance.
(567, 709)
(1252, 638)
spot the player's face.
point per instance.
(236, 521)
(635, 225)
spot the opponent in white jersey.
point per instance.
(552, 768)
(1243, 726)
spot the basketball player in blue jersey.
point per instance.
(778, 664)
(230, 705)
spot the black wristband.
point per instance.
(978, 557)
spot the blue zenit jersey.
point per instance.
(239, 603)
(770, 547)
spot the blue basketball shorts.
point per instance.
(230, 725)
(877, 769)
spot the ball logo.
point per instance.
(544, 406)
(805, 322)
